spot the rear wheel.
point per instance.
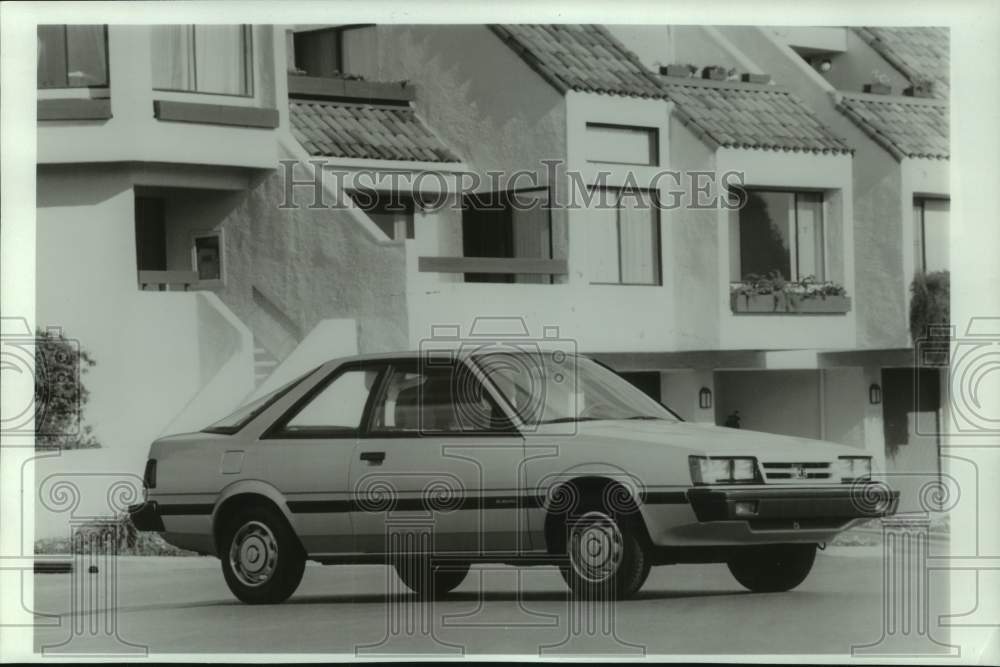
(262, 560)
(605, 555)
(773, 568)
(428, 579)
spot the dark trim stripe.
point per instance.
(178, 509)
(528, 501)
(74, 109)
(215, 114)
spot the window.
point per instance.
(435, 398)
(203, 59)
(780, 231)
(331, 52)
(623, 237)
(392, 212)
(507, 224)
(72, 56)
(336, 409)
(208, 256)
(548, 388)
(622, 144)
(930, 237)
(247, 413)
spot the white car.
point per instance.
(431, 462)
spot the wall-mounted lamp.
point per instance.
(705, 398)
(874, 394)
(824, 65)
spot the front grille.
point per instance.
(796, 472)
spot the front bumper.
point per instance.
(146, 516)
(808, 506)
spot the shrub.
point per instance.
(60, 394)
(930, 306)
(118, 533)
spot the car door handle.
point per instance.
(373, 457)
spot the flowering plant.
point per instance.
(774, 283)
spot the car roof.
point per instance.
(417, 354)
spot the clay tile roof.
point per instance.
(584, 58)
(745, 115)
(918, 53)
(353, 130)
(906, 127)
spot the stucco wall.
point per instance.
(311, 265)
(693, 267)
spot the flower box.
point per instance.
(784, 303)
(684, 71)
(714, 73)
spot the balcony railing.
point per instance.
(167, 281)
(493, 265)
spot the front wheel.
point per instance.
(605, 556)
(773, 568)
(262, 560)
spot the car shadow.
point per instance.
(496, 596)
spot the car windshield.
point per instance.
(550, 388)
(246, 413)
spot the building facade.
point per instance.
(181, 241)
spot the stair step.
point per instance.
(265, 363)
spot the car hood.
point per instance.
(704, 439)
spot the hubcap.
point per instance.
(595, 547)
(253, 554)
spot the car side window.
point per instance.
(434, 399)
(336, 409)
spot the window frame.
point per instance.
(277, 429)
(654, 136)
(417, 365)
(507, 195)
(793, 250)
(920, 204)
(107, 61)
(248, 55)
(203, 234)
(657, 230)
(409, 201)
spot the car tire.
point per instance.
(773, 568)
(262, 560)
(606, 558)
(431, 580)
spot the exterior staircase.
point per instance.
(264, 363)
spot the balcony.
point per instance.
(507, 267)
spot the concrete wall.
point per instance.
(130, 65)
(680, 392)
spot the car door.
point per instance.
(437, 457)
(307, 456)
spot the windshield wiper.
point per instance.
(648, 417)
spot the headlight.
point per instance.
(723, 469)
(853, 468)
